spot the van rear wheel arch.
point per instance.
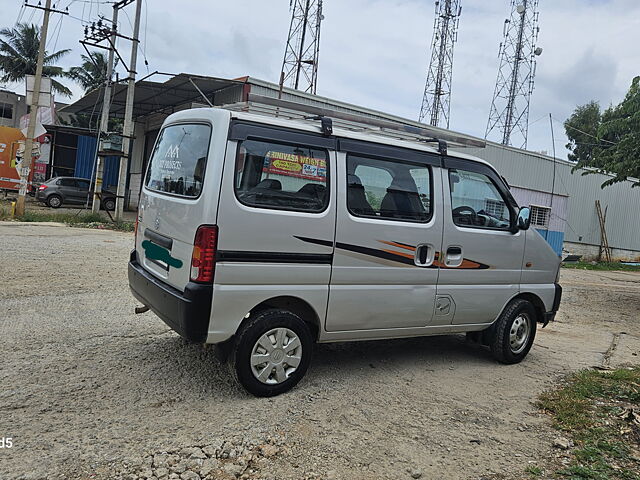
(295, 305)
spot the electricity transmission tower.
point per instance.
(300, 65)
(509, 114)
(436, 101)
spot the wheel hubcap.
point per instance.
(519, 333)
(276, 356)
(55, 201)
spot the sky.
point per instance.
(375, 53)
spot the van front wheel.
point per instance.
(514, 332)
(271, 353)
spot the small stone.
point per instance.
(179, 467)
(562, 443)
(146, 473)
(233, 469)
(208, 466)
(269, 450)
(416, 473)
(210, 450)
(332, 475)
(161, 460)
(161, 472)
(188, 475)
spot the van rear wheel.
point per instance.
(514, 332)
(271, 353)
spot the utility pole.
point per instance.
(300, 64)
(436, 100)
(25, 166)
(509, 114)
(104, 118)
(127, 129)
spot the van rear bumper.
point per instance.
(186, 312)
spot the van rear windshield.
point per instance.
(179, 159)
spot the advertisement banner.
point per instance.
(298, 166)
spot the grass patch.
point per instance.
(592, 409)
(602, 266)
(88, 220)
(534, 471)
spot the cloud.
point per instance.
(375, 52)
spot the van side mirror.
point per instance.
(524, 218)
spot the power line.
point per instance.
(585, 133)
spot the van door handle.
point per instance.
(425, 255)
(454, 256)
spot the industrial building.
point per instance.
(562, 201)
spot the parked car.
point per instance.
(58, 191)
(264, 235)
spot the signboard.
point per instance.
(44, 99)
(292, 165)
(10, 139)
(44, 116)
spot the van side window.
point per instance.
(388, 189)
(476, 201)
(279, 176)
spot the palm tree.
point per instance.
(92, 73)
(19, 56)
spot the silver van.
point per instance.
(264, 235)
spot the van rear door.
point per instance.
(180, 193)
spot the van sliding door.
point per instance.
(389, 230)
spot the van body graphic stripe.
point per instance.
(274, 257)
(400, 257)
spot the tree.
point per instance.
(615, 148)
(582, 130)
(19, 56)
(92, 73)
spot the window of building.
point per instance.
(476, 202)
(6, 110)
(279, 176)
(388, 189)
(540, 216)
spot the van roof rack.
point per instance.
(275, 107)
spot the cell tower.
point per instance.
(436, 101)
(300, 65)
(509, 113)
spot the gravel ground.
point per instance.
(90, 390)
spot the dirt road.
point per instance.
(90, 390)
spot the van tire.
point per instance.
(247, 339)
(505, 343)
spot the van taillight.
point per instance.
(135, 230)
(203, 259)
